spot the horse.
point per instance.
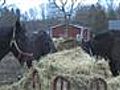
(5, 38)
(40, 44)
(31, 48)
(17, 45)
(107, 45)
(14, 39)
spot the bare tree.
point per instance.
(66, 12)
(43, 11)
(111, 6)
(33, 13)
(4, 1)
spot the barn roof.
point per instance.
(58, 25)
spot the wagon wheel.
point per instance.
(98, 84)
(60, 83)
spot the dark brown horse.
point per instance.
(107, 45)
(39, 45)
(14, 39)
(5, 38)
(8, 41)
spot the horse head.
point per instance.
(5, 38)
(17, 44)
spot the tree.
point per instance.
(98, 18)
(82, 15)
(4, 1)
(18, 13)
(43, 11)
(111, 6)
(118, 11)
(64, 9)
(67, 9)
(33, 13)
(25, 17)
(93, 16)
(53, 13)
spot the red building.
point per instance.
(72, 31)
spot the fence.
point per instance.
(61, 83)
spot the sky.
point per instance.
(25, 5)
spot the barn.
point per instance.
(72, 31)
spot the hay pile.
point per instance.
(114, 83)
(10, 69)
(74, 65)
(64, 43)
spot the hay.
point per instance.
(72, 64)
(75, 61)
(114, 83)
(64, 43)
(10, 69)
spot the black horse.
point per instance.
(107, 45)
(5, 38)
(18, 41)
(14, 39)
(39, 43)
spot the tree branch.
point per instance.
(62, 7)
(3, 2)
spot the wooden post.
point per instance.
(60, 83)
